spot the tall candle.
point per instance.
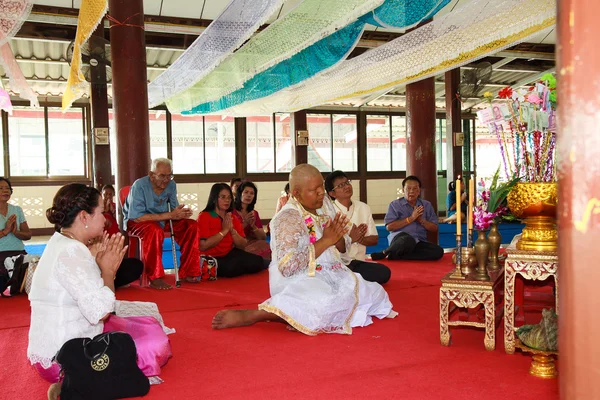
(471, 200)
(457, 190)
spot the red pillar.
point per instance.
(453, 125)
(130, 91)
(579, 198)
(420, 139)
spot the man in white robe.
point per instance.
(311, 288)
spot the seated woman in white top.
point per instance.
(72, 293)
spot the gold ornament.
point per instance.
(535, 203)
(100, 363)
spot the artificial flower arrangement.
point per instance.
(524, 123)
(491, 207)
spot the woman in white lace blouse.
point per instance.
(72, 293)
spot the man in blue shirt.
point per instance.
(145, 214)
(408, 220)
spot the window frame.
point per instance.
(47, 179)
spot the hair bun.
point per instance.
(55, 216)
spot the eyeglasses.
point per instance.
(163, 177)
(225, 197)
(343, 184)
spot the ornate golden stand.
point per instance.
(532, 265)
(542, 363)
(470, 293)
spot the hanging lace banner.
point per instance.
(306, 24)
(90, 15)
(5, 103)
(235, 25)
(317, 57)
(17, 81)
(310, 61)
(13, 14)
(403, 13)
(458, 38)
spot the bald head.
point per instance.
(306, 184)
(301, 174)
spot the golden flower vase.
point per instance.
(535, 204)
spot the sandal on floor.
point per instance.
(193, 279)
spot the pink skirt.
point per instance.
(152, 345)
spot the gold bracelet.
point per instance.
(408, 221)
(221, 233)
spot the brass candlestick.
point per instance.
(457, 274)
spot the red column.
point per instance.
(453, 125)
(130, 91)
(99, 102)
(578, 141)
(420, 139)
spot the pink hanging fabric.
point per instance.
(13, 14)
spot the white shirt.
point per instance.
(68, 298)
(358, 213)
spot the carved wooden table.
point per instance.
(469, 293)
(532, 265)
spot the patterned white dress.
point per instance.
(317, 295)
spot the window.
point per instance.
(269, 144)
(398, 143)
(487, 152)
(158, 133)
(386, 143)
(320, 151)
(66, 142)
(440, 145)
(378, 143)
(260, 149)
(219, 139)
(345, 151)
(27, 142)
(188, 144)
(284, 148)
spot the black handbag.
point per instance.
(101, 368)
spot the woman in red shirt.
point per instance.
(223, 237)
(245, 200)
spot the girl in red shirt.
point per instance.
(223, 237)
(244, 212)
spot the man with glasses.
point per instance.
(145, 214)
(408, 220)
(363, 232)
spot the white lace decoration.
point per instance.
(306, 24)
(13, 13)
(238, 21)
(466, 34)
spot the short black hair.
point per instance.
(213, 197)
(411, 178)
(234, 180)
(331, 178)
(238, 196)
(2, 179)
(108, 186)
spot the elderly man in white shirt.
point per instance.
(363, 233)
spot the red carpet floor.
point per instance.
(391, 359)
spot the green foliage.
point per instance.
(499, 192)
